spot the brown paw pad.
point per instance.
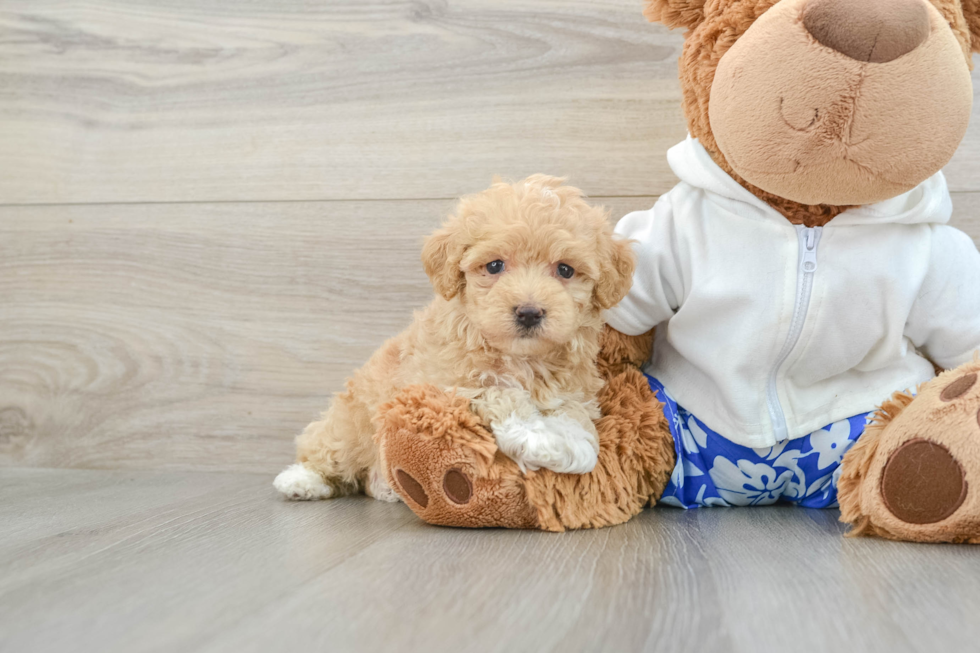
(922, 482)
(412, 488)
(457, 486)
(959, 387)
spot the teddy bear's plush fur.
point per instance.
(889, 482)
(451, 472)
(850, 116)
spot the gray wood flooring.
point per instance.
(182, 561)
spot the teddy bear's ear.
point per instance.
(678, 13)
(971, 9)
(441, 256)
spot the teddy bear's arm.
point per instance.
(445, 464)
(619, 352)
(944, 323)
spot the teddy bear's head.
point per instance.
(818, 105)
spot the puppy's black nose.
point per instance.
(528, 316)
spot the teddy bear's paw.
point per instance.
(446, 466)
(456, 487)
(922, 483)
(443, 489)
(300, 483)
(922, 464)
(555, 442)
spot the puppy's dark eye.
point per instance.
(565, 271)
(495, 267)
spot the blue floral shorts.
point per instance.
(712, 471)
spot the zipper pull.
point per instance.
(809, 262)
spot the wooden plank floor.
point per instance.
(180, 561)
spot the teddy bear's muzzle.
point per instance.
(841, 102)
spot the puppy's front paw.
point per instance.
(558, 443)
(377, 487)
(300, 483)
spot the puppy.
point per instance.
(522, 272)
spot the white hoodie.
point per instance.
(770, 331)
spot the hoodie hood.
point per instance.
(927, 203)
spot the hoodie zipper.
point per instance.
(809, 239)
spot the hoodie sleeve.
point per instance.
(945, 320)
(657, 283)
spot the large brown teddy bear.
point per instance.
(824, 119)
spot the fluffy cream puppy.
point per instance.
(522, 272)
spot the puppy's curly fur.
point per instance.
(533, 379)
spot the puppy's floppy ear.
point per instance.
(441, 256)
(676, 13)
(616, 266)
(971, 9)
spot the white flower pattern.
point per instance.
(830, 443)
(745, 483)
(713, 471)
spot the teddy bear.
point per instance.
(794, 298)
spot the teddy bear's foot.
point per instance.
(446, 466)
(636, 456)
(915, 473)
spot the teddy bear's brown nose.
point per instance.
(875, 31)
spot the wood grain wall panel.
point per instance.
(195, 336)
(169, 100)
(155, 312)
(181, 100)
